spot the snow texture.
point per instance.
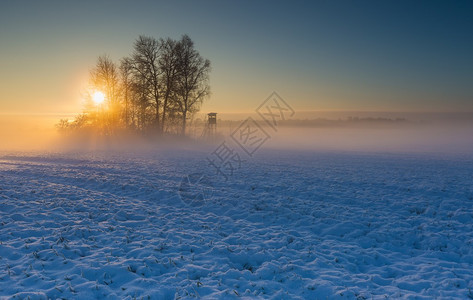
(288, 225)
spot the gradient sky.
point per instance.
(325, 55)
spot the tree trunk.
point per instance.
(184, 117)
(165, 104)
(158, 125)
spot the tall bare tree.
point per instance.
(104, 77)
(141, 98)
(192, 85)
(169, 66)
(126, 67)
(145, 63)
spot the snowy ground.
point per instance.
(288, 225)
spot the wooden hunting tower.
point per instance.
(212, 124)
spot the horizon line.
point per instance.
(72, 114)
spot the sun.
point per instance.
(98, 97)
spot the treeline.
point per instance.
(156, 89)
(317, 123)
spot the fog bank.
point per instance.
(434, 135)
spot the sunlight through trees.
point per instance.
(155, 90)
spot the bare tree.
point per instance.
(140, 99)
(192, 85)
(126, 67)
(145, 64)
(169, 65)
(104, 77)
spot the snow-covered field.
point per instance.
(288, 225)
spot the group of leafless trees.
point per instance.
(156, 89)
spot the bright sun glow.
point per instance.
(98, 97)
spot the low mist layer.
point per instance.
(442, 135)
(27, 132)
(411, 138)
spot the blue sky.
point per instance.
(321, 55)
